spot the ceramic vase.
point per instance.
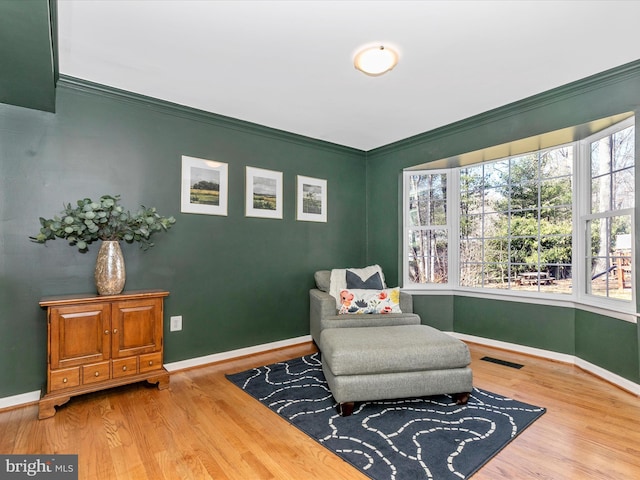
(110, 273)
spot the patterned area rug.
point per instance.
(417, 438)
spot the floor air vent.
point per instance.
(502, 362)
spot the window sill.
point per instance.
(628, 315)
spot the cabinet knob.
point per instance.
(97, 374)
(150, 362)
(124, 368)
(64, 380)
(106, 332)
(115, 330)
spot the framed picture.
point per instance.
(263, 193)
(204, 186)
(311, 199)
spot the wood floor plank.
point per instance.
(204, 427)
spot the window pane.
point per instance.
(601, 194)
(610, 245)
(524, 169)
(470, 275)
(497, 250)
(556, 249)
(620, 228)
(624, 148)
(470, 226)
(623, 188)
(495, 224)
(524, 196)
(600, 277)
(495, 199)
(600, 157)
(427, 200)
(496, 173)
(561, 216)
(557, 163)
(438, 212)
(555, 192)
(558, 278)
(428, 256)
(496, 275)
(612, 161)
(523, 225)
(471, 178)
(471, 201)
(524, 250)
(471, 250)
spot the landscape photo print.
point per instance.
(204, 186)
(263, 193)
(311, 199)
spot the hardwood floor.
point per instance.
(203, 427)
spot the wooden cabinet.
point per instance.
(96, 342)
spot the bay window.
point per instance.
(556, 222)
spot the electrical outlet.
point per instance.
(176, 323)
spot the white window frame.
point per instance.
(581, 179)
(583, 214)
(407, 282)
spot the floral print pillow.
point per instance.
(357, 301)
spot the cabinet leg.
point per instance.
(162, 379)
(47, 407)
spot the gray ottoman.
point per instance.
(380, 363)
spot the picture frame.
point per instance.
(263, 193)
(204, 186)
(311, 199)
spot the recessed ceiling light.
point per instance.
(375, 61)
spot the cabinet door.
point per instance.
(79, 334)
(137, 327)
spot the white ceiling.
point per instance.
(288, 64)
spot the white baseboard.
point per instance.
(600, 372)
(610, 377)
(218, 357)
(30, 397)
(21, 399)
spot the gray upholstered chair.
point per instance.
(324, 313)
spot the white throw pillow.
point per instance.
(357, 301)
(338, 280)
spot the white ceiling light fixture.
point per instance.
(376, 61)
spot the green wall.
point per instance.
(241, 281)
(28, 51)
(563, 330)
(593, 332)
(236, 281)
(435, 310)
(533, 325)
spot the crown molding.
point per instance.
(177, 110)
(578, 87)
(564, 92)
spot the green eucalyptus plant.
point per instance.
(105, 219)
